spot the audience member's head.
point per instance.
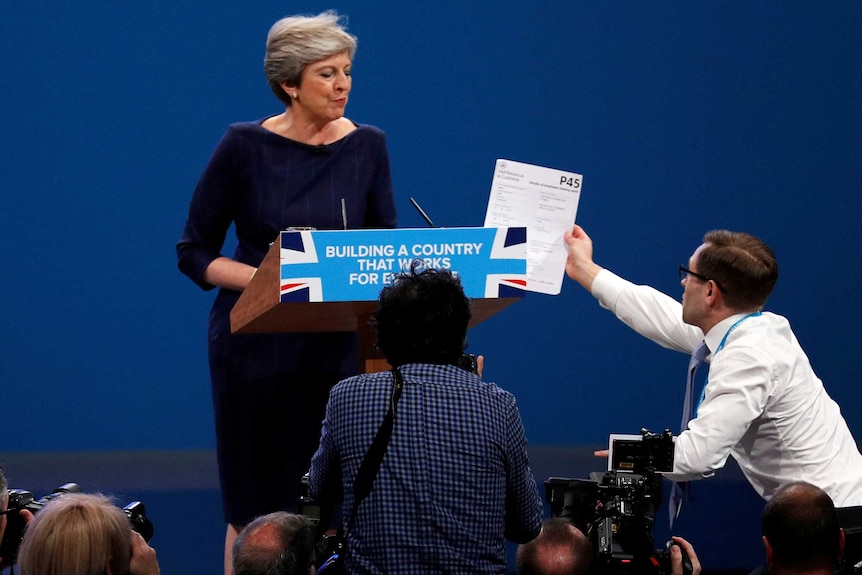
(4, 501)
(560, 549)
(800, 530)
(77, 534)
(422, 318)
(280, 543)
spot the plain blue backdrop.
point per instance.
(681, 116)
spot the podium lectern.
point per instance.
(284, 297)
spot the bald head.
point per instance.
(560, 549)
(265, 538)
(280, 543)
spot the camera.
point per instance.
(468, 362)
(20, 499)
(617, 508)
(850, 519)
(328, 549)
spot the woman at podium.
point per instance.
(308, 166)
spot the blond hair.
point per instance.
(77, 534)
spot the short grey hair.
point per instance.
(4, 487)
(297, 41)
(279, 543)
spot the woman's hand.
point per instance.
(229, 274)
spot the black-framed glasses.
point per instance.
(684, 272)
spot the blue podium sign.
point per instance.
(354, 265)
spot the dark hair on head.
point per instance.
(743, 265)
(279, 543)
(422, 317)
(560, 549)
(801, 524)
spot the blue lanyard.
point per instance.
(718, 349)
(733, 327)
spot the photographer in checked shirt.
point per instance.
(455, 481)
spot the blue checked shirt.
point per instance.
(455, 481)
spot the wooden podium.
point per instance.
(260, 310)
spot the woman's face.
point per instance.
(324, 88)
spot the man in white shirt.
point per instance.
(762, 403)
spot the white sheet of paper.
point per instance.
(544, 200)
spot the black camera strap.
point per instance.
(370, 465)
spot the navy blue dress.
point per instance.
(270, 390)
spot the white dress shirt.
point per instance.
(763, 404)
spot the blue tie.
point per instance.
(679, 489)
(698, 356)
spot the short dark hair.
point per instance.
(279, 543)
(561, 536)
(422, 317)
(801, 524)
(742, 264)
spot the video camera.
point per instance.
(617, 508)
(20, 499)
(850, 519)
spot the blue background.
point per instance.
(682, 117)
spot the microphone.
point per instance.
(344, 213)
(422, 213)
(319, 149)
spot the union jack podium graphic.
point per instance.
(320, 281)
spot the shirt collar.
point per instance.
(714, 336)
